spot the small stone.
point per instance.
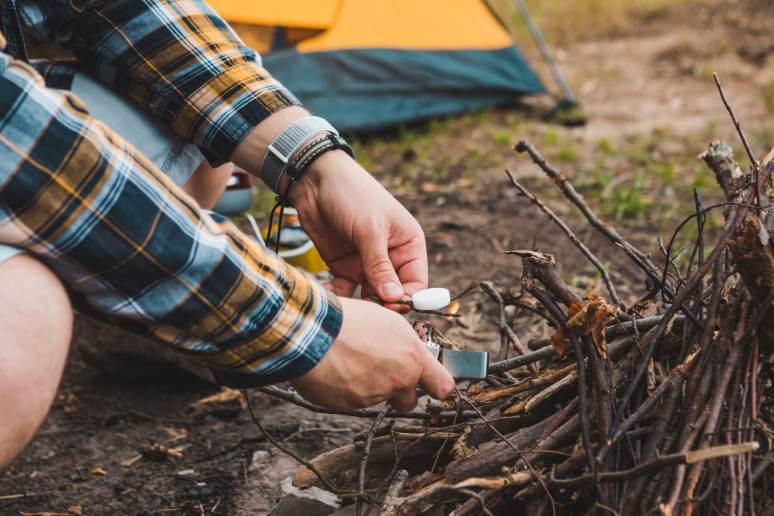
(260, 458)
(153, 454)
(292, 501)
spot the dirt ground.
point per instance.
(656, 75)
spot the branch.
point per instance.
(338, 492)
(585, 250)
(410, 304)
(506, 334)
(575, 198)
(655, 465)
(516, 298)
(366, 452)
(295, 399)
(662, 284)
(753, 159)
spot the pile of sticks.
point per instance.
(664, 407)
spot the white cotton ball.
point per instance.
(431, 299)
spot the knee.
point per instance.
(33, 301)
(35, 330)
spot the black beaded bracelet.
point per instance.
(313, 151)
(295, 170)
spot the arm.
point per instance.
(184, 63)
(133, 249)
(177, 58)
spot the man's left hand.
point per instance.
(364, 235)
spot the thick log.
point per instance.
(331, 463)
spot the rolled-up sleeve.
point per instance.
(176, 57)
(134, 250)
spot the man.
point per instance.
(87, 220)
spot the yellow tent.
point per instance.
(365, 64)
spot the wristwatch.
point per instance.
(289, 141)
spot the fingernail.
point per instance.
(391, 289)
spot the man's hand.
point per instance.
(364, 235)
(377, 356)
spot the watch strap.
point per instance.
(282, 149)
(313, 151)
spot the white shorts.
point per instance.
(168, 151)
(7, 252)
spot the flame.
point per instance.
(453, 309)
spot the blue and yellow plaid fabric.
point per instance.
(178, 58)
(131, 247)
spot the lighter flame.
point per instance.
(453, 309)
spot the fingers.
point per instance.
(405, 400)
(342, 287)
(379, 271)
(411, 260)
(435, 379)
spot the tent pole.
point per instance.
(545, 51)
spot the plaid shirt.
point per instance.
(131, 247)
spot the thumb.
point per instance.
(379, 271)
(435, 379)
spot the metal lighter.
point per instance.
(463, 365)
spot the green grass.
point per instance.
(567, 154)
(766, 92)
(563, 22)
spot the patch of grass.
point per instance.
(551, 137)
(564, 22)
(665, 172)
(502, 138)
(606, 146)
(263, 201)
(567, 154)
(766, 92)
(628, 199)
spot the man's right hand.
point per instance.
(377, 356)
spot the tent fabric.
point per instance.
(306, 14)
(412, 25)
(362, 90)
(378, 63)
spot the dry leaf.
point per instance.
(98, 471)
(591, 319)
(131, 461)
(651, 377)
(559, 340)
(598, 332)
(224, 396)
(475, 389)
(72, 405)
(75, 509)
(585, 319)
(177, 453)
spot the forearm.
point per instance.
(135, 250)
(251, 151)
(177, 58)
